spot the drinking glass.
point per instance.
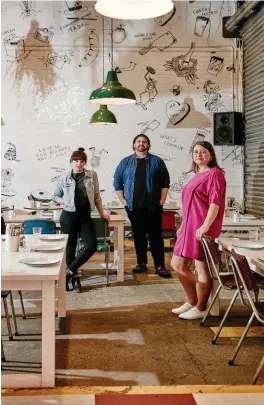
(253, 234)
(36, 232)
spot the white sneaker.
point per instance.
(193, 313)
(184, 308)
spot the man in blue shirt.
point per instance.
(141, 181)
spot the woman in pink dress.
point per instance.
(203, 207)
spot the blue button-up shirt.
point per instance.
(157, 176)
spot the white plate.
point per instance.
(47, 248)
(51, 237)
(249, 245)
(39, 261)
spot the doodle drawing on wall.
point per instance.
(232, 152)
(60, 171)
(92, 53)
(199, 137)
(215, 66)
(70, 111)
(154, 124)
(201, 23)
(175, 190)
(57, 59)
(73, 7)
(212, 96)
(96, 156)
(184, 65)
(177, 112)
(10, 154)
(150, 92)
(118, 69)
(27, 9)
(44, 35)
(14, 46)
(163, 42)
(7, 176)
(118, 34)
(176, 90)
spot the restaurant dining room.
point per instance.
(132, 202)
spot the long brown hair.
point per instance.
(210, 148)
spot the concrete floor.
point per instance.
(133, 324)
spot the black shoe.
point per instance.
(163, 272)
(140, 268)
(76, 284)
(68, 278)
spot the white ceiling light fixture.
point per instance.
(133, 9)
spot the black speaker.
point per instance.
(228, 128)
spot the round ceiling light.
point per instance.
(133, 9)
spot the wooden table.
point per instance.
(116, 221)
(19, 276)
(242, 225)
(252, 255)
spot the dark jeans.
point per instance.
(147, 225)
(74, 224)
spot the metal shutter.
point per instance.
(252, 34)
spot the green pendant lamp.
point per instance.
(112, 91)
(103, 117)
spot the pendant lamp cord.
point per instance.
(112, 46)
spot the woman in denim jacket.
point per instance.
(78, 191)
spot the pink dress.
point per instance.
(202, 190)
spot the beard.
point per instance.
(142, 148)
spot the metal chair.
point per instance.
(104, 243)
(48, 227)
(4, 295)
(225, 279)
(246, 283)
(3, 231)
(168, 224)
(260, 367)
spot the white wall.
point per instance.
(45, 91)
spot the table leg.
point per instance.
(48, 334)
(120, 247)
(62, 289)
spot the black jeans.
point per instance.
(74, 224)
(147, 225)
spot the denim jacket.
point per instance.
(65, 189)
(156, 173)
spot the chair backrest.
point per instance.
(242, 271)
(47, 226)
(212, 255)
(246, 283)
(101, 227)
(168, 221)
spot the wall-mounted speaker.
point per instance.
(228, 128)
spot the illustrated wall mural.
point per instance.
(179, 66)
